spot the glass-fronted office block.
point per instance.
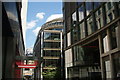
(93, 38)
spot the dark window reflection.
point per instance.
(51, 53)
(113, 32)
(117, 67)
(51, 44)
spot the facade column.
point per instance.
(101, 59)
(110, 56)
(118, 35)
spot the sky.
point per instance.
(39, 13)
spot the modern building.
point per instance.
(48, 48)
(92, 40)
(12, 40)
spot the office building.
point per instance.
(48, 49)
(91, 40)
(12, 40)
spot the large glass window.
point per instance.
(113, 33)
(110, 12)
(105, 44)
(51, 44)
(82, 30)
(74, 35)
(90, 25)
(51, 36)
(69, 38)
(117, 66)
(50, 63)
(51, 53)
(99, 18)
(81, 13)
(108, 69)
(74, 19)
(89, 6)
(78, 54)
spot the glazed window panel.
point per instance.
(90, 25)
(99, 18)
(117, 66)
(81, 13)
(78, 52)
(89, 6)
(108, 70)
(74, 35)
(110, 11)
(74, 19)
(113, 35)
(105, 44)
(68, 58)
(51, 53)
(51, 44)
(82, 30)
(69, 39)
(51, 36)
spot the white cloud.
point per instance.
(40, 15)
(31, 24)
(54, 16)
(35, 31)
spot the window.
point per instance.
(110, 12)
(69, 38)
(99, 18)
(51, 53)
(82, 30)
(105, 43)
(89, 6)
(113, 33)
(108, 70)
(51, 44)
(90, 25)
(68, 58)
(51, 36)
(74, 34)
(78, 54)
(74, 19)
(117, 66)
(81, 13)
